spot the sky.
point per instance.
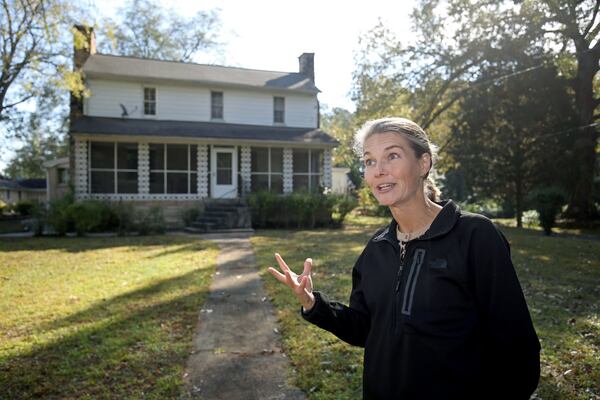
(271, 34)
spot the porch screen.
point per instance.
(113, 167)
(308, 169)
(267, 169)
(173, 168)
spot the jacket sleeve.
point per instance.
(510, 344)
(349, 323)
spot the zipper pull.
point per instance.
(398, 278)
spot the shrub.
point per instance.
(298, 210)
(3, 207)
(56, 215)
(191, 214)
(93, 216)
(151, 221)
(125, 217)
(368, 204)
(343, 204)
(24, 208)
(530, 218)
(548, 202)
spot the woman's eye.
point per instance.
(393, 156)
(369, 163)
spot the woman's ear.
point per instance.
(425, 164)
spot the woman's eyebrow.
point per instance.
(387, 148)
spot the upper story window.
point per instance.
(279, 110)
(149, 101)
(216, 105)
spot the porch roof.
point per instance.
(199, 130)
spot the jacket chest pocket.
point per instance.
(408, 294)
(435, 298)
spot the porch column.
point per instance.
(81, 169)
(288, 170)
(245, 169)
(327, 181)
(202, 170)
(143, 168)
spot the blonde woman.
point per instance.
(435, 299)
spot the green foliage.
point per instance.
(92, 216)
(24, 208)
(146, 29)
(191, 214)
(368, 204)
(125, 215)
(548, 203)
(298, 210)
(151, 221)
(56, 215)
(3, 207)
(341, 124)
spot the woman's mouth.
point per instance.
(385, 187)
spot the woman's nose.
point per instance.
(381, 168)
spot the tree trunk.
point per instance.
(519, 201)
(581, 206)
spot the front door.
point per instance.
(223, 172)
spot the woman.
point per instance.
(435, 299)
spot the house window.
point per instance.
(279, 110)
(7, 194)
(216, 105)
(267, 169)
(113, 167)
(63, 175)
(149, 101)
(308, 169)
(173, 168)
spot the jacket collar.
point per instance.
(442, 224)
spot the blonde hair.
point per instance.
(416, 136)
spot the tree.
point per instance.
(37, 147)
(456, 40)
(513, 136)
(340, 123)
(147, 30)
(576, 25)
(35, 59)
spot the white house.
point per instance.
(172, 132)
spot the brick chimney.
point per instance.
(84, 45)
(307, 65)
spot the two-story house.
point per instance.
(171, 132)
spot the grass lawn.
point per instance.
(102, 318)
(560, 278)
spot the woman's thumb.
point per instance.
(307, 266)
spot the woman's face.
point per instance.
(392, 170)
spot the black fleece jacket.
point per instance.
(449, 321)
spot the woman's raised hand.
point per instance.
(301, 284)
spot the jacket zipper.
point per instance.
(397, 290)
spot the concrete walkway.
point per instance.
(237, 354)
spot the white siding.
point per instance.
(185, 103)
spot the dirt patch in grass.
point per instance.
(99, 318)
(560, 278)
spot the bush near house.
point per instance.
(298, 210)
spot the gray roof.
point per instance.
(23, 184)
(102, 65)
(200, 130)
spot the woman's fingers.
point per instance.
(282, 264)
(307, 266)
(278, 275)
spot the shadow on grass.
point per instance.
(82, 244)
(137, 348)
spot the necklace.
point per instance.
(404, 238)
